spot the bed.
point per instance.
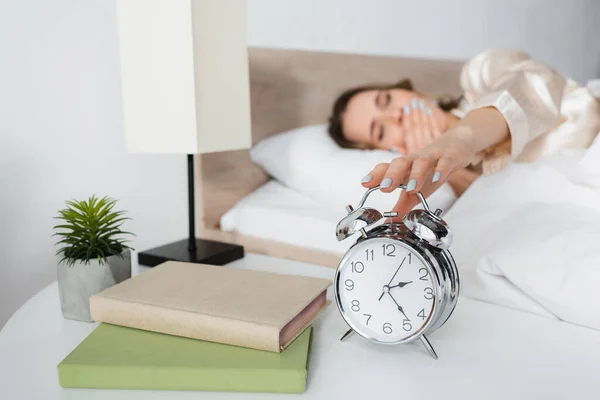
(291, 89)
(525, 238)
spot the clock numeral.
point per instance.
(367, 251)
(410, 258)
(355, 305)
(428, 293)
(424, 277)
(406, 325)
(387, 251)
(357, 267)
(422, 314)
(368, 318)
(349, 284)
(387, 328)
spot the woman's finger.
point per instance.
(417, 123)
(374, 177)
(422, 168)
(444, 168)
(396, 173)
(426, 131)
(435, 128)
(406, 202)
(409, 133)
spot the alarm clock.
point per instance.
(398, 282)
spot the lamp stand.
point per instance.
(192, 249)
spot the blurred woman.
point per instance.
(513, 108)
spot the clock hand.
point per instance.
(400, 285)
(402, 311)
(399, 306)
(387, 287)
(396, 271)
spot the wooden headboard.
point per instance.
(293, 88)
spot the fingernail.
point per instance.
(414, 103)
(422, 104)
(386, 183)
(436, 176)
(367, 179)
(412, 184)
(406, 109)
(429, 111)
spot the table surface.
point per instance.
(486, 352)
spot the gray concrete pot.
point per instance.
(78, 282)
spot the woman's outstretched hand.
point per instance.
(426, 170)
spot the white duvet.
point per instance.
(529, 237)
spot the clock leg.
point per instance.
(347, 335)
(428, 347)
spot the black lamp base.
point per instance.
(207, 252)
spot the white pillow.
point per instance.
(307, 160)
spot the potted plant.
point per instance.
(93, 255)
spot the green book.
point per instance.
(116, 357)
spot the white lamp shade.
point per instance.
(184, 75)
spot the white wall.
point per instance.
(60, 118)
(60, 130)
(565, 34)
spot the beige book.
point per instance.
(248, 308)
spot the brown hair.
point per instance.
(336, 126)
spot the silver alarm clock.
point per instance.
(398, 282)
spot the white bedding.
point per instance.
(276, 212)
(527, 237)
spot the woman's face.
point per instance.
(381, 118)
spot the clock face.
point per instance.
(385, 290)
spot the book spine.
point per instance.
(183, 323)
(89, 376)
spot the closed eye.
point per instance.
(383, 99)
(381, 133)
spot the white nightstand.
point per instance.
(486, 352)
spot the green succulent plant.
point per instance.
(91, 230)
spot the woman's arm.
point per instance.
(528, 93)
(514, 100)
(457, 148)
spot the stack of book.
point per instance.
(184, 326)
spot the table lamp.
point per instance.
(185, 90)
